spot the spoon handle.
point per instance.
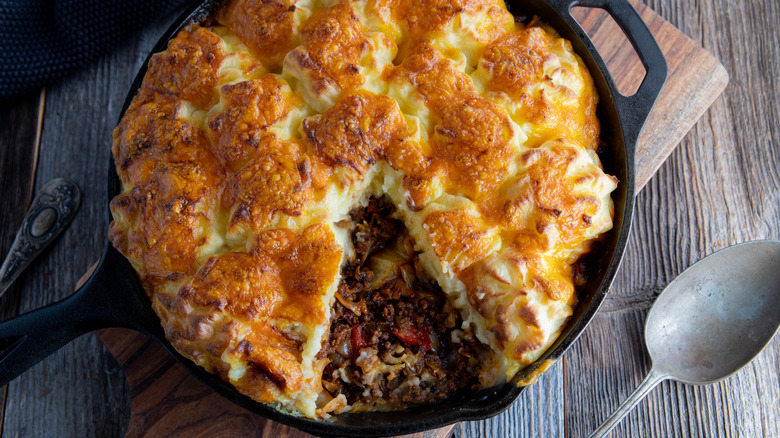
(50, 213)
(653, 378)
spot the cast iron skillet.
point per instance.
(113, 296)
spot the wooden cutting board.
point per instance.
(168, 401)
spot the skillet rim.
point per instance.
(484, 403)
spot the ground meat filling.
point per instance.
(395, 339)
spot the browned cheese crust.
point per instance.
(254, 136)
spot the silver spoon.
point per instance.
(50, 213)
(711, 321)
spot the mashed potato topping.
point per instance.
(256, 139)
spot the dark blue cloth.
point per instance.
(42, 41)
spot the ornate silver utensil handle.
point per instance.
(51, 212)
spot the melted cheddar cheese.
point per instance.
(251, 139)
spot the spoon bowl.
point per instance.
(717, 315)
(712, 320)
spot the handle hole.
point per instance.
(615, 48)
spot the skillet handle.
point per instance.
(635, 109)
(30, 338)
(103, 301)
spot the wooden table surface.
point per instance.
(719, 187)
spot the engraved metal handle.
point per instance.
(50, 213)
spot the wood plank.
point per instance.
(80, 391)
(51, 392)
(718, 188)
(681, 104)
(169, 401)
(181, 405)
(537, 412)
(19, 141)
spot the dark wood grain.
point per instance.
(180, 405)
(167, 400)
(681, 103)
(718, 188)
(80, 391)
(721, 186)
(51, 396)
(19, 141)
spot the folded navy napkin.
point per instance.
(41, 41)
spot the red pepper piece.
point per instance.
(413, 335)
(358, 340)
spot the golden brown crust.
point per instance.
(515, 61)
(167, 230)
(471, 136)
(357, 131)
(434, 76)
(308, 264)
(250, 109)
(516, 64)
(237, 283)
(188, 69)
(174, 180)
(266, 26)
(281, 282)
(277, 180)
(153, 133)
(458, 237)
(518, 323)
(545, 202)
(420, 168)
(473, 140)
(275, 354)
(421, 17)
(332, 43)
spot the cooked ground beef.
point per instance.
(392, 331)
